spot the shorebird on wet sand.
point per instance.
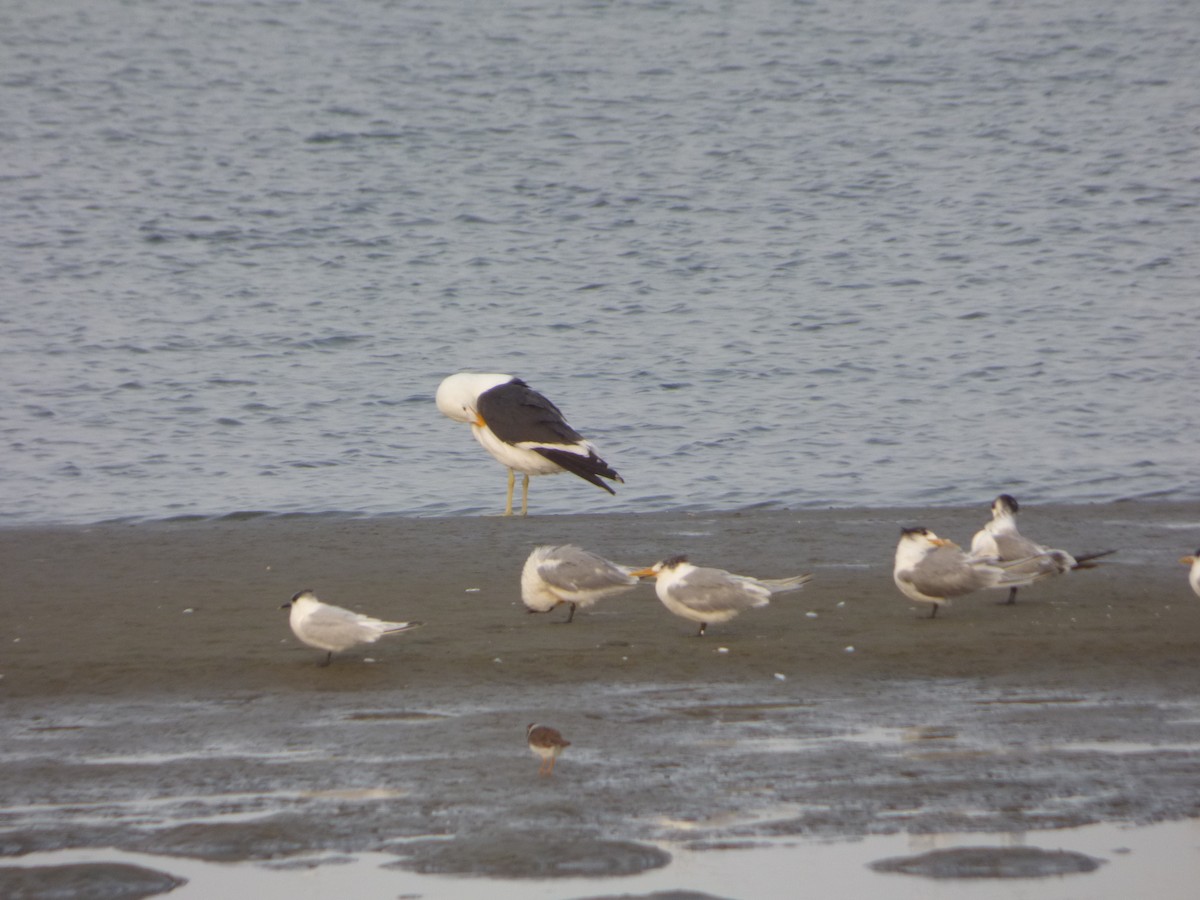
(999, 541)
(556, 575)
(521, 429)
(931, 569)
(707, 595)
(547, 743)
(333, 629)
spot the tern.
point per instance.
(333, 629)
(707, 595)
(1000, 541)
(568, 574)
(931, 569)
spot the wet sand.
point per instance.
(156, 702)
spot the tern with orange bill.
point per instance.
(931, 569)
(707, 595)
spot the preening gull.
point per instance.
(521, 429)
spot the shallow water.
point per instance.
(1166, 856)
(860, 254)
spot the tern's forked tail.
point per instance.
(779, 585)
(1088, 560)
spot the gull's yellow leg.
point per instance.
(525, 496)
(512, 482)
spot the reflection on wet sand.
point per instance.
(1128, 860)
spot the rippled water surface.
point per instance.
(762, 253)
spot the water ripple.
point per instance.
(742, 261)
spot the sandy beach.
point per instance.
(156, 702)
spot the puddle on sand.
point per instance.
(189, 755)
(1161, 860)
(198, 809)
(1122, 748)
(907, 739)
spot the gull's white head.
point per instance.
(1005, 505)
(457, 394)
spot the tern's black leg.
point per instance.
(933, 615)
(703, 627)
(1012, 597)
(570, 615)
(328, 659)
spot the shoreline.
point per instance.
(245, 515)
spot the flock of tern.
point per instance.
(527, 433)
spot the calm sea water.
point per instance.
(863, 252)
